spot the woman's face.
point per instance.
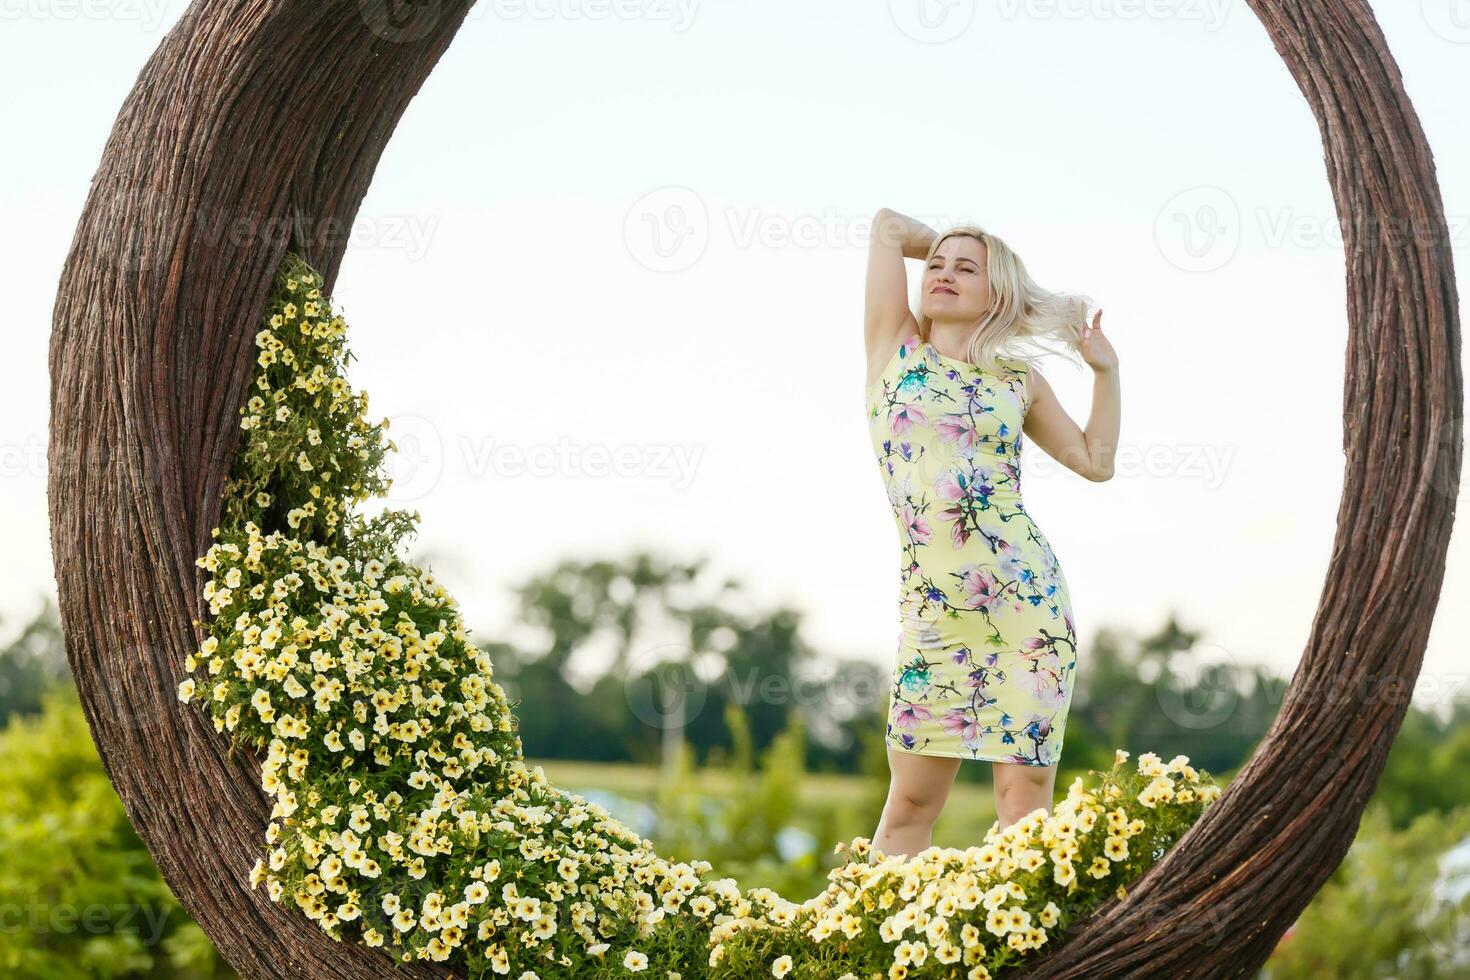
(956, 285)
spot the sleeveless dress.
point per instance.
(986, 642)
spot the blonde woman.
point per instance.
(987, 647)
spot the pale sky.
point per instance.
(608, 285)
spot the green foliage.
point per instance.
(739, 832)
(1428, 768)
(1167, 688)
(1380, 915)
(309, 453)
(31, 664)
(79, 895)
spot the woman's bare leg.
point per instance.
(918, 785)
(1020, 788)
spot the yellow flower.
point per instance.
(635, 960)
(781, 966)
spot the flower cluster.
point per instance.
(406, 818)
(977, 911)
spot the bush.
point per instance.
(79, 895)
(1387, 910)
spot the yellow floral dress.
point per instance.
(986, 642)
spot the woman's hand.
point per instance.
(1095, 348)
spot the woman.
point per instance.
(987, 645)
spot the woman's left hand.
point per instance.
(1095, 348)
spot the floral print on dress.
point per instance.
(987, 645)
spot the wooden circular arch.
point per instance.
(256, 126)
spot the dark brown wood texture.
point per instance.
(257, 125)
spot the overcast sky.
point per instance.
(608, 285)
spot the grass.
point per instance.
(967, 814)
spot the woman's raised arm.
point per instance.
(888, 318)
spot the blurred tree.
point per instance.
(32, 663)
(1389, 909)
(643, 654)
(1428, 767)
(1169, 693)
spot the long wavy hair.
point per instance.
(1022, 312)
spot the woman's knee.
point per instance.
(1015, 789)
(1023, 788)
(912, 805)
(918, 787)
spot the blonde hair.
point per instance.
(1022, 311)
